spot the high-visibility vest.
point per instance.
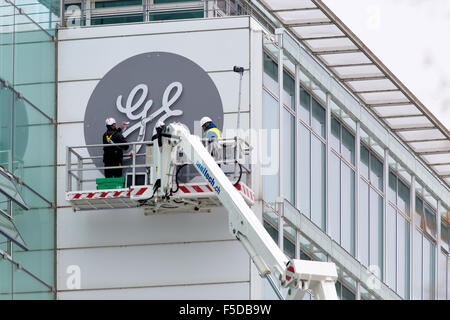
(215, 130)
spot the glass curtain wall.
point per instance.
(342, 186)
(384, 223)
(271, 124)
(129, 11)
(398, 236)
(27, 149)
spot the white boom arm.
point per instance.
(296, 275)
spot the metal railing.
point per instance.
(76, 15)
(89, 158)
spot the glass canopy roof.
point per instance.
(329, 40)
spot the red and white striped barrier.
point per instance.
(193, 190)
(189, 190)
(107, 194)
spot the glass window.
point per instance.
(347, 294)
(445, 236)
(419, 212)
(392, 188)
(376, 172)
(6, 272)
(364, 167)
(403, 198)
(403, 256)
(119, 3)
(169, 1)
(128, 18)
(428, 269)
(417, 276)
(338, 286)
(305, 105)
(289, 156)
(176, 15)
(318, 207)
(335, 134)
(430, 220)
(288, 90)
(363, 216)
(6, 43)
(305, 171)
(289, 248)
(271, 231)
(391, 247)
(348, 209)
(335, 197)
(271, 153)
(9, 230)
(348, 145)
(443, 274)
(318, 118)
(376, 230)
(270, 74)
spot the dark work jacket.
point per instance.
(113, 155)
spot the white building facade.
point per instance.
(337, 175)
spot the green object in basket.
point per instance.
(110, 183)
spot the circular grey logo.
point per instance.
(146, 88)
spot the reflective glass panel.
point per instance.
(318, 178)
(318, 118)
(334, 188)
(364, 164)
(391, 247)
(418, 256)
(376, 172)
(270, 74)
(348, 209)
(335, 135)
(403, 257)
(288, 90)
(363, 216)
(428, 269)
(348, 145)
(403, 198)
(289, 156)
(305, 171)
(271, 152)
(392, 188)
(305, 105)
(376, 230)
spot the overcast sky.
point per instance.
(412, 38)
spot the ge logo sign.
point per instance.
(146, 88)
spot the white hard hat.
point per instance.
(110, 121)
(160, 124)
(204, 120)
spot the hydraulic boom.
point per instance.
(297, 276)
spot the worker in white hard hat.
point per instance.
(113, 155)
(212, 133)
(210, 130)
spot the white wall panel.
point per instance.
(225, 291)
(228, 85)
(73, 98)
(71, 134)
(206, 49)
(230, 123)
(123, 254)
(155, 265)
(131, 226)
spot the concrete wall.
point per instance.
(121, 253)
